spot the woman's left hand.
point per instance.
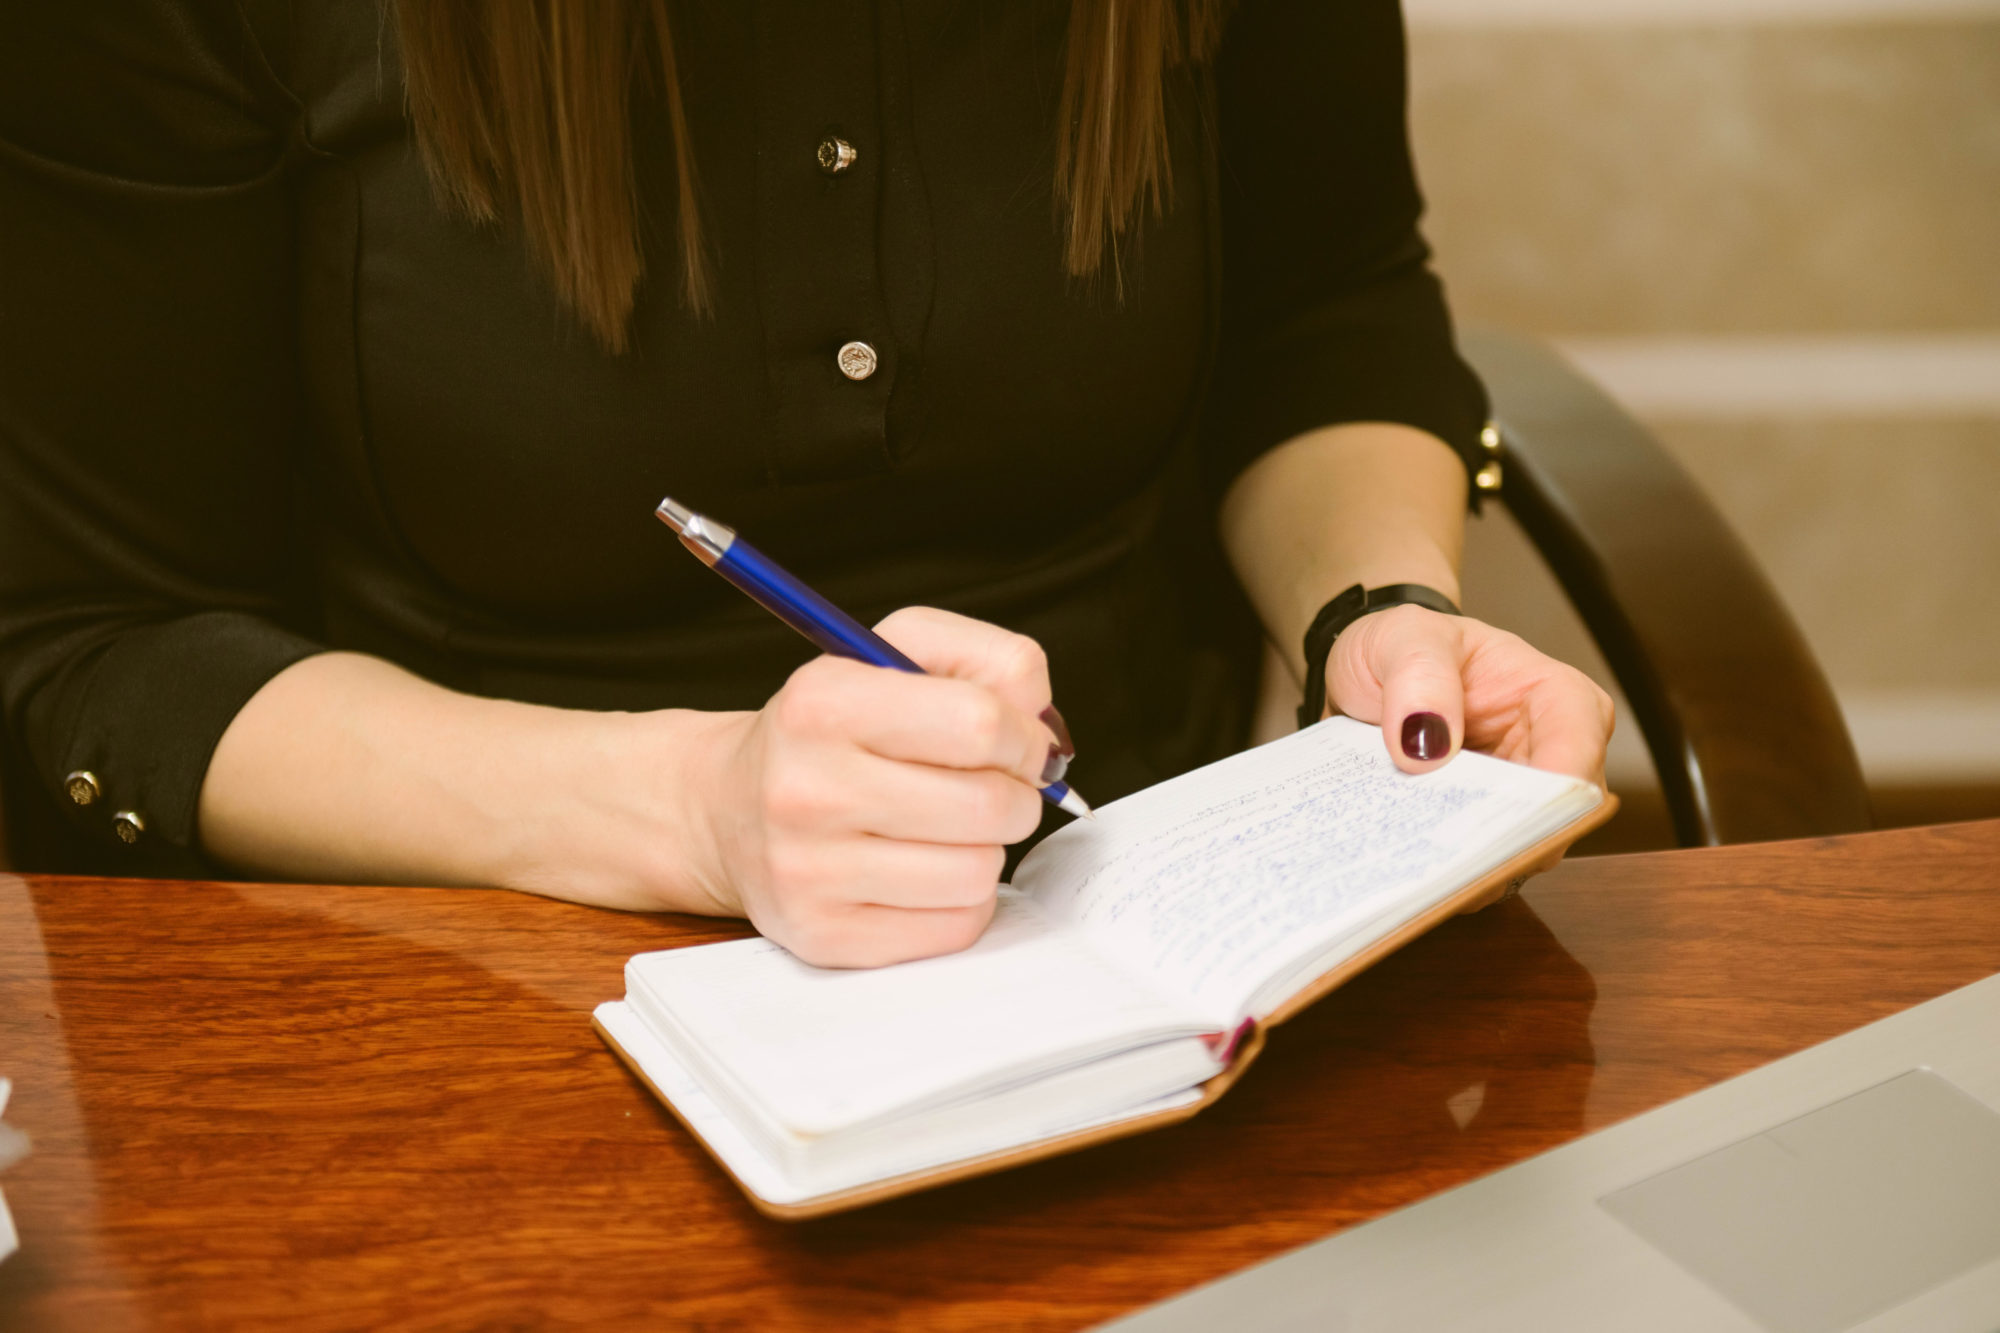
(1436, 683)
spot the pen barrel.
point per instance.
(829, 628)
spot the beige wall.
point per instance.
(1773, 228)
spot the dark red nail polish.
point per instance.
(1054, 721)
(1425, 736)
(1057, 765)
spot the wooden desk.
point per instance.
(375, 1108)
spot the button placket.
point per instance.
(830, 362)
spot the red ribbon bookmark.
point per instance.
(1227, 1044)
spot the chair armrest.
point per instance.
(1742, 725)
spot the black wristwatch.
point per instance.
(1343, 611)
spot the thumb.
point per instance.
(1405, 667)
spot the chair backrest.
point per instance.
(1742, 725)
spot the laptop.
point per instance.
(1852, 1186)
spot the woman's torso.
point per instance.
(477, 474)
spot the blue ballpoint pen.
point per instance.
(831, 629)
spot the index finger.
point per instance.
(943, 643)
(1567, 733)
(930, 719)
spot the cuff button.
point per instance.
(835, 155)
(128, 825)
(83, 787)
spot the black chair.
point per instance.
(1742, 726)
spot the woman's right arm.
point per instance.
(859, 818)
(147, 409)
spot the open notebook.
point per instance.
(1126, 979)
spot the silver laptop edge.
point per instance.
(1534, 1247)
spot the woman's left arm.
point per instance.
(1376, 503)
(1330, 314)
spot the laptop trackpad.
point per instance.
(1839, 1215)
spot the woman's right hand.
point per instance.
(862, 816)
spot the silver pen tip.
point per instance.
(674, 514)
(1075, 804)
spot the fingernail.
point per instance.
(1054, 721)
(1425, 736)
(1057, 765)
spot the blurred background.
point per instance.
(1771, 229)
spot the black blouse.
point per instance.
(261, 396)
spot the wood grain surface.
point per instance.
(338, 1108)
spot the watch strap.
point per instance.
(1352, 604)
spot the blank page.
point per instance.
(821, 1049)
(1221, 879)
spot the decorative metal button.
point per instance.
(1488, 477)
(857, 361)
(1489, 438)
(83, 787)
(835, 155)
(128, 825)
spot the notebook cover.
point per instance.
(1482, 892)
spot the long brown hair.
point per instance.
(528, 103)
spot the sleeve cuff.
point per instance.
(142, 719)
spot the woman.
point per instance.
(344, 355)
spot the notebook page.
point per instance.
(819, 1050)
(771, 1180)
(1219, 879)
